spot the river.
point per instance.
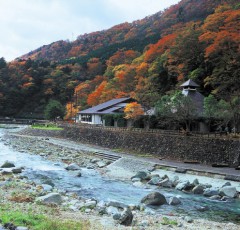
(93, 185)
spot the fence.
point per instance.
(156, 131)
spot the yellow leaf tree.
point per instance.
(133, 111)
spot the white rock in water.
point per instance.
(229, 191)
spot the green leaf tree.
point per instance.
(54, 109)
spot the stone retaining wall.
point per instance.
(204, 150)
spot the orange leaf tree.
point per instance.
(133, 111)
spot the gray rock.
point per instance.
(215, 197)
(210, 192)
(79, 174)
(8, 164)
(226, 184)
(49, 182)
(136, 179)
(101, 164)
(166, 183)
(73, 167)
(51, 198)
(126, 217)
(22, 228)
(144, 223)
(174, 201)
(229, 191)
(116, 216)
(91, 204)
(142, 175)
(94, 161)
(154, 198)
(112, 210)
(47, 187)
(202, 208)
(117, 204)
(153, 181)
(6, 171)
(199, 189)
(195, 182)
(180, 170)
(188, 219)
(17, 170)
(182, 185)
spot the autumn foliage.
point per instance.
(145, 59)
(133, 111)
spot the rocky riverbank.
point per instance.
(104, 215)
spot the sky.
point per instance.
(29, 24)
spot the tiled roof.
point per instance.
(106, 107)
(189, 83)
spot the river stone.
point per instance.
(195, 182)
(226, 184)
(51, 198)
(188, 219)
(17, 170)
(73, 167)
(47, 187)
(142, 175)
(126, 217)
(182, 185)
(49, 182)
(90, 204)
(117, 204)
(215, 197)
(101, 164)
(112, 210)
(154, 181)
(78, 174)
(6, 171)
(174, 201)
(202, 208)
(199, 189)
(210, 192)
(166, 183)
(22, 228)
(229, 191)
(154, 198)
(8, 164)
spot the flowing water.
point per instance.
(94, 185)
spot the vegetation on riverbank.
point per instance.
(48, 126)
(36, 221)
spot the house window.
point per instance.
(86, 118)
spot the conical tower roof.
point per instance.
(189, 83)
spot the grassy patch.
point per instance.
(38, 221)
(48, 126)
(167, 221)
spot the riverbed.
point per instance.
(106, 185)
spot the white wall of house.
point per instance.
(96, 119)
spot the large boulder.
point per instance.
(51, 198)
(229, 191)
(154, 198)
(8, 164)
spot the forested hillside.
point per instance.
(146, 59)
